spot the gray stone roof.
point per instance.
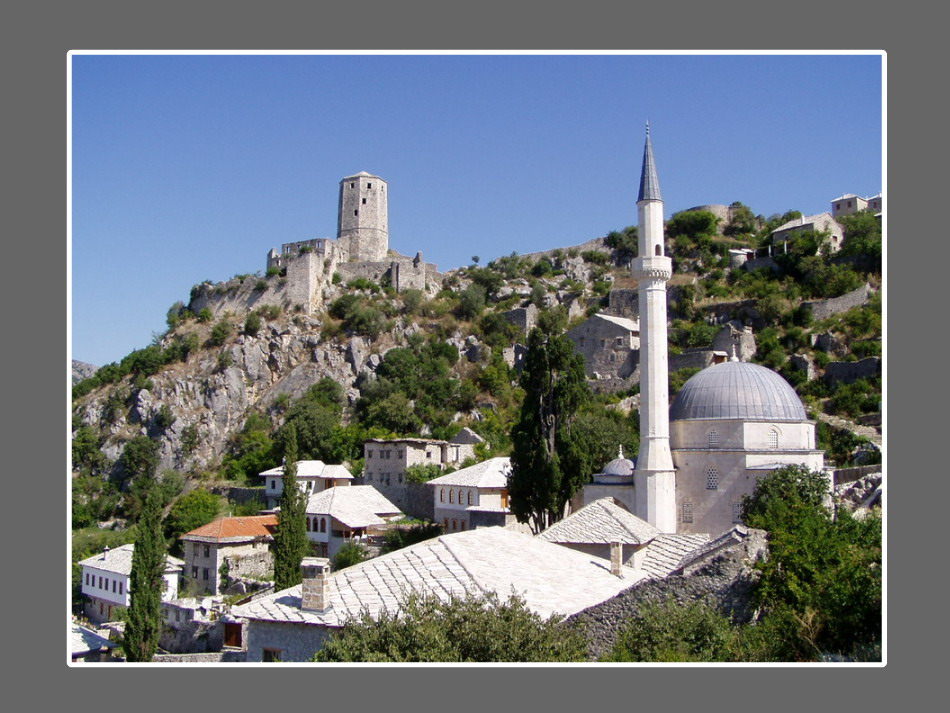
(601, 522)
(353, 505)
(628, 324)
(552, 579)
(118, 560)
(649, 182)
(311, 469)
(666, 552)
(467, 436)
(738, 390)
(491, 473)
(83, 641)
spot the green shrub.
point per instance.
(204, 315)
(219, 333)
(349, 554)
(252, 324)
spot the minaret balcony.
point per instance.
(658, 267)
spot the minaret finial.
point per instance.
(648, 127)
(734, 357)
(649, 183)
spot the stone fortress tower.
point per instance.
(654, 477)
(363, 218)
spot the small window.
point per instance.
(100, 583)
(428, 455)
(369, 454)
(204, 573)
(208, 550)
(368, 185)
(121, 587)
(659, 249)
(115, 587)
(441, 495)
(713, 439)
(451, 496)
(469, 497)
(352, 185)
(308, 524)
(364, 201)
(712, 479)
(273, 486)
(686, 512)
(773, 439)
(194, 573)
(269, 655)
(87, 577)
(619, 341)
(356, 212)
(737, 512)
(323, 524)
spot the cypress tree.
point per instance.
(549, 462)
(144, 625)
(290, 537)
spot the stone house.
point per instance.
(293, 624)
(821, 222)
(241, 542)
(312, 477)
(385, 461)
(850, 203)
(354, 514)
(474, 496)
(87, 645)
(610, 345)
(105, 582)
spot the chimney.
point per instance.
(315, 588)
(616, 558)
(105, 551)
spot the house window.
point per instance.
(87, 577)
(737, 512)
(356, 212)
(269, 655)
(207, 551)
(441, 495)
(100, 583)
(114, 587)
(369, 454)
(368, 185)
(364, 201)
(773, 439)
(445, 523)
(308, 524)
(352, 185)
(121, 587)
(323, 524)
(712, 479)
(619, 341)
(204, 573)
(273, 486)
(713, 439)
(469, 497)
(194, 573)
(686, 512)
(451, 496)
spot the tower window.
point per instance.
(712, 479)
(356, 212)
(659, 250)
(369, 185)
(364, 201)
(352, 185)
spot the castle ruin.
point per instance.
(361, 249)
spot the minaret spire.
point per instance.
(654, 477)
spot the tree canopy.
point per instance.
(473, 628)
(146, 584)
(290, 538)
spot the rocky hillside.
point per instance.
(81, 370)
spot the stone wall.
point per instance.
(291, 642)
(691, 359)
(192, 637)
(524, 318)
(624, 302)
(725, 577)
(230, 656)
(822, 309)
(738, 337)
(849, 475)
(850, 371)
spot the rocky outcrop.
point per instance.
(81, 370)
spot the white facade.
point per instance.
(105, 581)
(313, 476)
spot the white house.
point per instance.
(241, 542)
(339, 515)
(312, 477)
(473, 497)
(105, 581)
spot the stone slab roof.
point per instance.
(491, 473)
(628, 324)
(83, 641)
(311, 469)
(467, 436)
(354, 505)
(414, 441)
(235, 529)
(119, 561)
(665, 553)
(552, 579)
(601, 522)
(803, 221)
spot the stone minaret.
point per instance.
(654, 477)
(363, 220)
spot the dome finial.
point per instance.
(734, 357)
(620, 451)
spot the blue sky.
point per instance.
(188, 168)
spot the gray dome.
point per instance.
(619, 466)
(737, 389)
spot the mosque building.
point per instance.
(730, 424)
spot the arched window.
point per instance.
(308, 524)
(773, 438)
(469, 497)
(712, 478)
(713, 439)
(323, 524)
(451, 496)
(441, 495)
(659, 249)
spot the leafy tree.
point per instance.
(742, 221)
(144, 624)
(471, 302)
(693, 224)
(219, 333)
(192, 510)
(548, 460)
(349, 554)
(676, 631)
(473, 628)
(252, 324)
(139, 458)
(402, 536)
(88, 458)
(423, 472)
(290, 537)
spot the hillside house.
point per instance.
(241, 542)
(610, 345)
(105, 582)
(293, 624)
(385, 462)
(354, 514)
(312, 477)
(819, 223)
(476, 496)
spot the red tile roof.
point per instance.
(228, 527)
